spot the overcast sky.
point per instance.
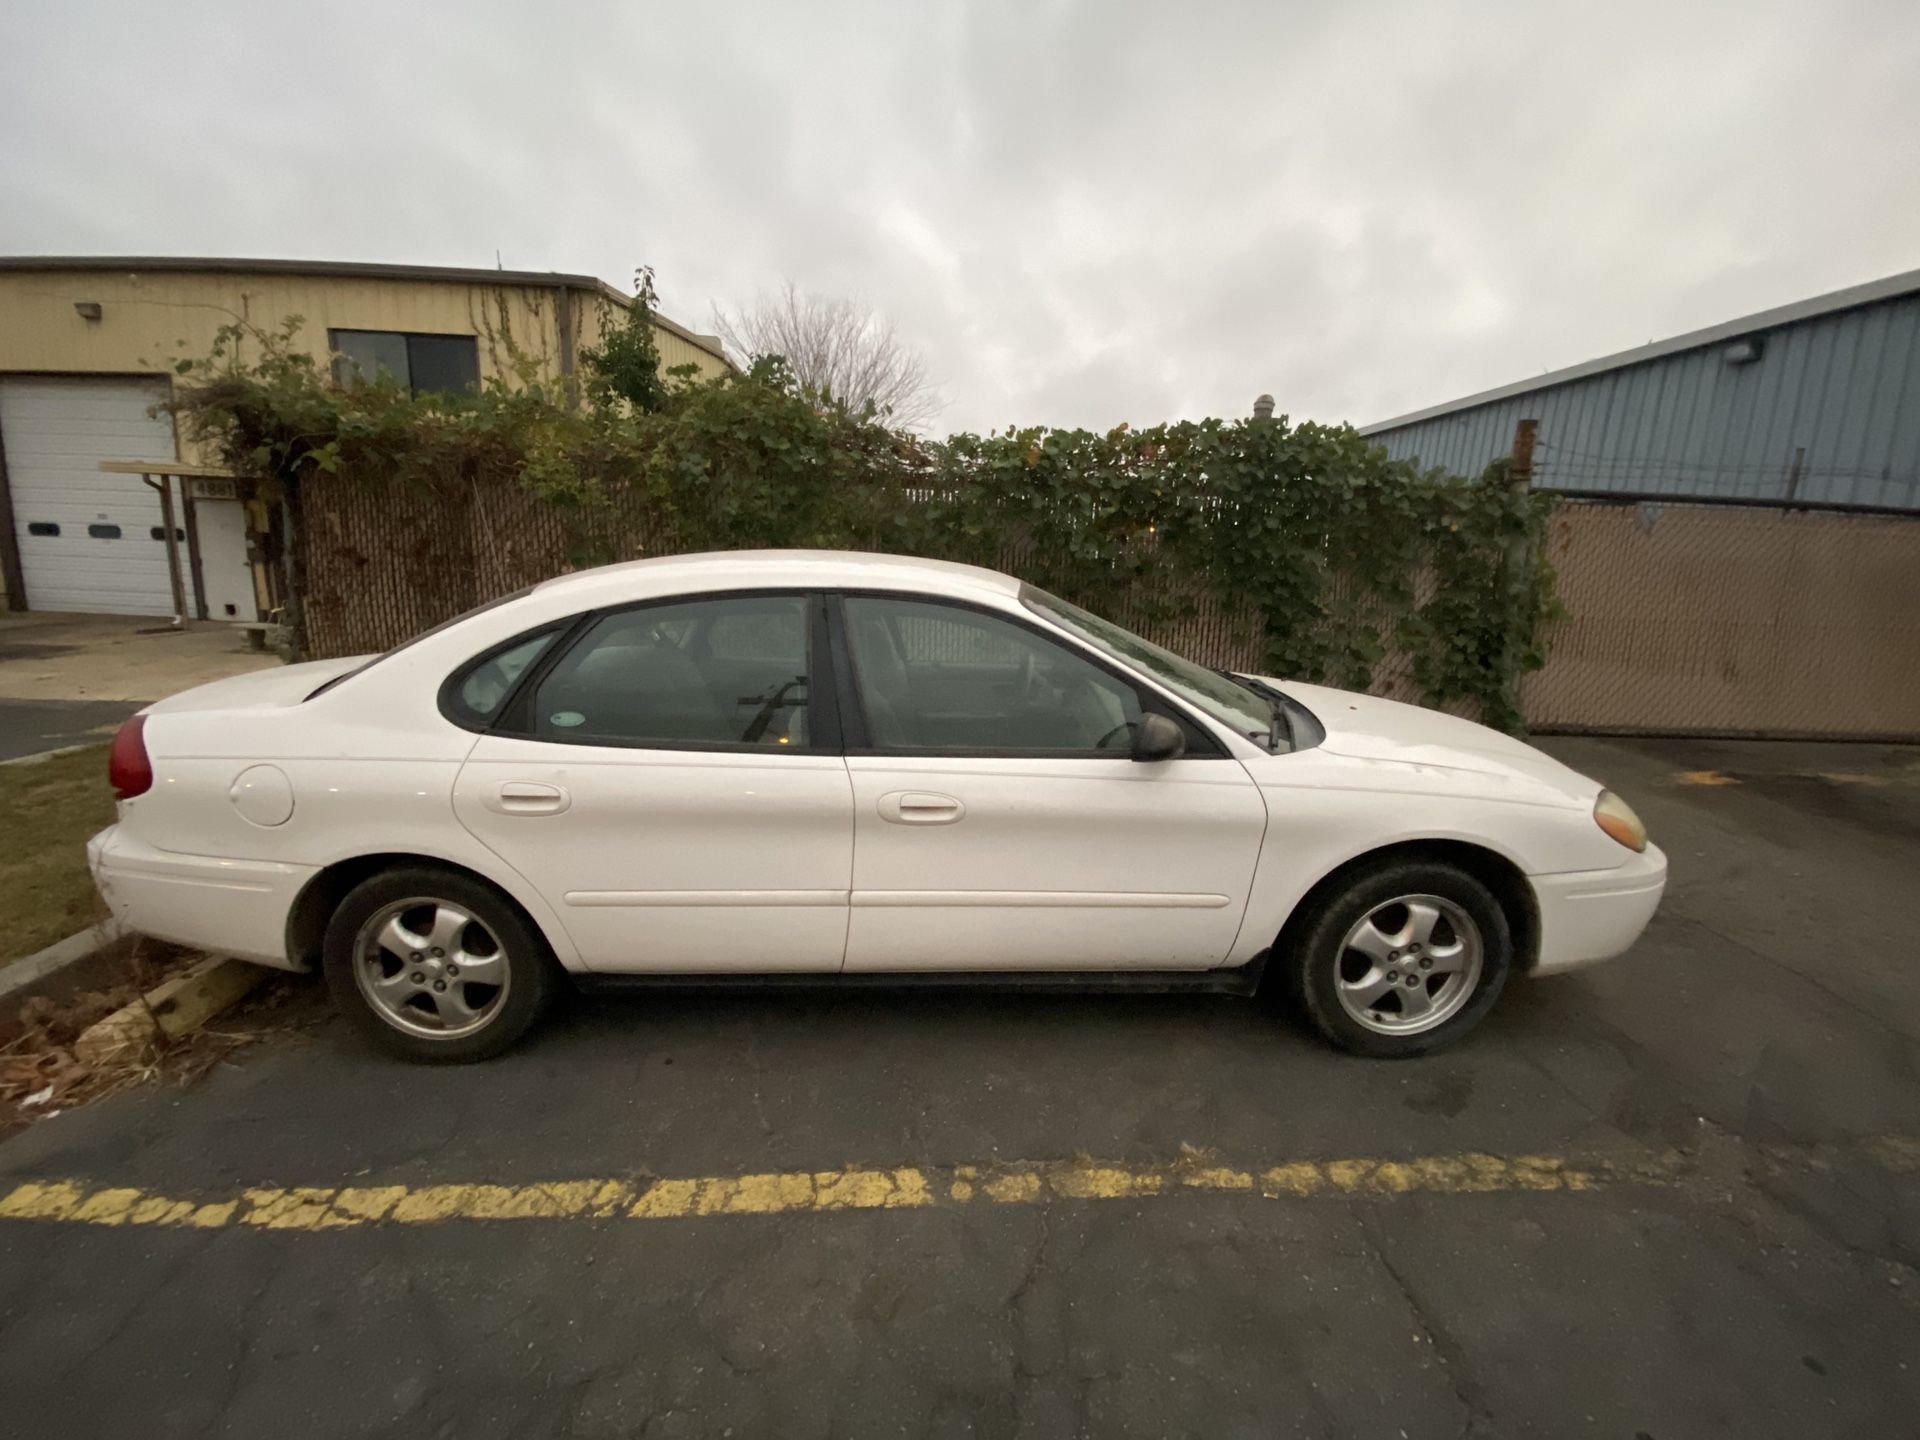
(1082, 213)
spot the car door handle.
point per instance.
(919, 807)
(527, 797)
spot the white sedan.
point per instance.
(794, 765)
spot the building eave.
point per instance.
(360, 270)
(1893, 287)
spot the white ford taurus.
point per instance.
(803, 764)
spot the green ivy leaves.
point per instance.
(1339, 561)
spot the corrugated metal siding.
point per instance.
(1845, 387)
(151, 319)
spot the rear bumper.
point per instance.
(231, 907)
(1587, 916)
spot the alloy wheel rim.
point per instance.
(1409, 965)
(429, 968)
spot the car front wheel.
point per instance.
(1405, 958)
(435, 966)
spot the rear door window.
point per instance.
(725, 672)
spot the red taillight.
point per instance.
(129, 770)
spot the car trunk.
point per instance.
(287, 685)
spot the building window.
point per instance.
(425, 364)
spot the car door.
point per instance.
(670, 780)
(999, 821)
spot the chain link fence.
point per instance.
(1721, 619)
(1681, 618)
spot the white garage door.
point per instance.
(88, 540)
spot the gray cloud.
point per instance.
(1084, 212)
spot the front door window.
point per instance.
(942, 679)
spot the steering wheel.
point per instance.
(1125, 727)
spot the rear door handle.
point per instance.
(920, 807)
(527, 797)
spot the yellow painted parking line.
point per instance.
(1896, 1153)
(310, 1208)
(314, 1208)
(1874, 780)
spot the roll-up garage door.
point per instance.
(88, 540)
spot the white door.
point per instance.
(662, 790)
(226, 577)
(999, 823)
(89, 541)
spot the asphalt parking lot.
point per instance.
(1674, 1196)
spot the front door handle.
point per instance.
(920, 807)
(527, 797)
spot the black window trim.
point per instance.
(514, 719)
(450, 687)
(1202, 743)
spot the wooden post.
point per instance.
(563, 324)
(190, 513)
(1517, 560)
(165, 487)
(1793, 473)
(1520, 472)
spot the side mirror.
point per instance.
(1158, 738)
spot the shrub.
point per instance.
(1327, 559)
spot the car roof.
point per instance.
(775, 569)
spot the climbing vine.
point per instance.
(1329, 560)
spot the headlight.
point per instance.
(1616, 817)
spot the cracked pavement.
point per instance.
(1765, 1028)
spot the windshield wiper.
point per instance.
(1283, 724)
(1279, 722)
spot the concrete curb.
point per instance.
(172, 1008)
(25, 974)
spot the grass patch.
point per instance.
(47, 814)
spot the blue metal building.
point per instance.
(1813, 403)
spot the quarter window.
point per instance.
(484, 689)
(938, 677)
(704, 672)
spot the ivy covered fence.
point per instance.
(1296, 550)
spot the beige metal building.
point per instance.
(88, 347)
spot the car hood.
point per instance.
(1366, 727)
(281, 685)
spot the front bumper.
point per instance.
(231, 907)
(1587, 916)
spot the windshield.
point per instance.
(1226, 700)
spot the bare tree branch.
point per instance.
(839, 348)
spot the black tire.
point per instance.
(502, 1013)
(1319, 954)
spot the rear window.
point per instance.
(521, 593)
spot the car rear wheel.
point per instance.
(435, 966)
(1404, 958)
